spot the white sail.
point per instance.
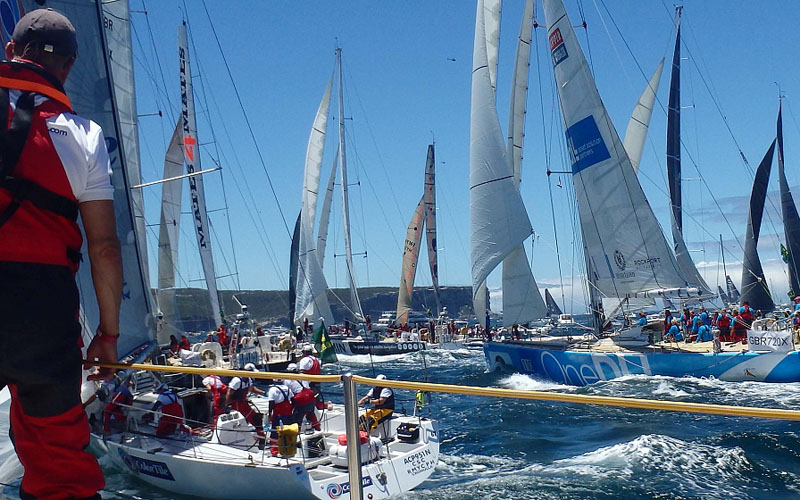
(355, 303)
(491, 17)
(636, 133)
(522, 301)
(90, 90)
(479, 304)
(169, 233)
(191, 157)
(325, 213)
(498, 221)
(311, 288)
(625, 247)
(410, 259)
(121, 63)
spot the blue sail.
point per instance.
(754, 284)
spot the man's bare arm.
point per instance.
(106, 263)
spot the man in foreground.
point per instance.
(54, 166)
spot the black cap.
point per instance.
(49, 29)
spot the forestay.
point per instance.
(191, 157)
(625, 248)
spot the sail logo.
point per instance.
(188, 150)
(619, 259)
(557, 48)
(585, 144)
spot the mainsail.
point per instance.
(429, 198)
(311, 287)
(169, 232)
(626, 251)
(498, 220)
(636, 133)
(552, 306)
(410, 258)
(325, 213)
(294, 258)
(522, 301)
(688, 269)
(191, 157)
(754, 284)
(791, 220)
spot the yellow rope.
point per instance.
(645, 404)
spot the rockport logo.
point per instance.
(619, 259)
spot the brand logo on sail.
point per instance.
(557, 47)
(586, 145)
(188, 150)
(619, 259)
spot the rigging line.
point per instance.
(688, 153)
(210, 124)
(249, 126)
(378, 152)
(586, 35)
(155, 52)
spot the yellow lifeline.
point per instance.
(645, 404)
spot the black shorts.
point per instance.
(39, 336)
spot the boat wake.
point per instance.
(529, 383)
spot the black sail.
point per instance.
(552, 306)
(294, 258)
(791, 220)
(733, 292)
(754, 285)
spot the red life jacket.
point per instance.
(724, 321)
(38, 210)
(747, 314)
(283, 408)
(315, 367)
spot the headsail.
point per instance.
(311, 286)
(626, 251)
(90, 90)
(522, 301)
(191, 157)
(168, 235)
(429, 198)
(636, 133)
(498, 221)
(754, 284)
(733, 293)
(552, 305)
(723, 296)
(688, 269)
(791, 220)
(410, 258)
(294, 262)
(491, 10)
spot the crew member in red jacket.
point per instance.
(54, 167)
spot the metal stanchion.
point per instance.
(353, 441)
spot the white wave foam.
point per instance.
(529, 383)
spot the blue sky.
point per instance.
(402, 89)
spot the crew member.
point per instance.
(746, 315)
(54, 167)
(724, 325)
(382, 399)
(114, 411)
(174, 345)
(280, 412)
(217, 391)
(302, 399)
(704, 333)
(238, 389)
(171, 411)
(674, 332)
(184, 343)
(643, 319)
(310, 365)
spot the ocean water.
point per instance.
(506, 449)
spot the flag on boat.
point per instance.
(324, 345)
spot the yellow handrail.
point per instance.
(645, 404)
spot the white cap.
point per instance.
(292, 367)
(308, 348)
(381, 377)
(250, 367)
